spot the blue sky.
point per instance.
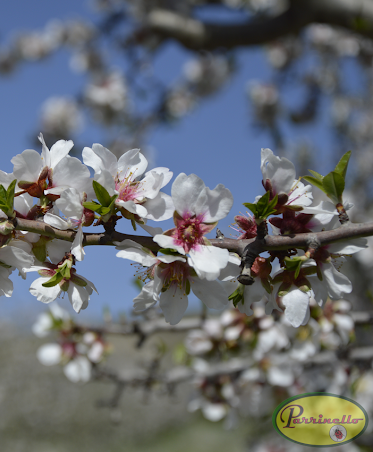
(216, 141)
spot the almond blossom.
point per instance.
(71, 204)
(137, 199)
(50, 173)
(172, 279)
(56, 279)
(14, 255)
(279, 178)
(197, 212)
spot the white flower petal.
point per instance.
(296, 305)
(58, 151)
(208, 261)
(185, 193)
(214, 204)
(160, 208)
(173, 303)
(44, 294)
(337, 283)
(56, 249)
(27, 166)
(132, 207)
(128, 249)
(214, 412)
(6, 285)
(79, 369)
(280, 171)
(77, 247)
(49, 354)
(23, 203)
(70, 204)
(132, 162)
(56, 221)
(69, 173)
(16, 257)
(211, 293)
(150, 185)
(165, 241)
(280, 377)
(103, 160)
(145, 298)
(353, 246)
(78, 297)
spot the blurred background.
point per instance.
(200, 86)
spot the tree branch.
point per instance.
(354, 15)
(269, 243)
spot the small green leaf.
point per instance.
(237, 295)
(341, 167)
(316, 175)
(92, 205)
(65, 271)
(263, 208)
(56, 279)
(293, 265)
(78, 281)
(3, 197)
(314, 181)
(252, 207)
(102, 194)
(10, 193)
(334, 185)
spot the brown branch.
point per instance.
(354, 15)
(347, 231)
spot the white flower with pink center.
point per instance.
(197, 211)
(137, 199)
(172, 279)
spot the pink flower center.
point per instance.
(128, 190)
(189, 232)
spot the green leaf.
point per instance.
(341, 167)
(334, 185)
(10, 193)
(271, 207)
(92, 205)
(293, 265)
(252, 207)
(65, 271)
(102, 194)
(316, 175)
(56, 279)
(3, 197)
(237, 295)
(78, 281)
(263, 208)
(314, 181)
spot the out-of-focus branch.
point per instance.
(234, 366)
(354, 15)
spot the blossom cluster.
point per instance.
(277, 356)
(78, 349)
(68, 198)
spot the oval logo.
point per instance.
(320, 419)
